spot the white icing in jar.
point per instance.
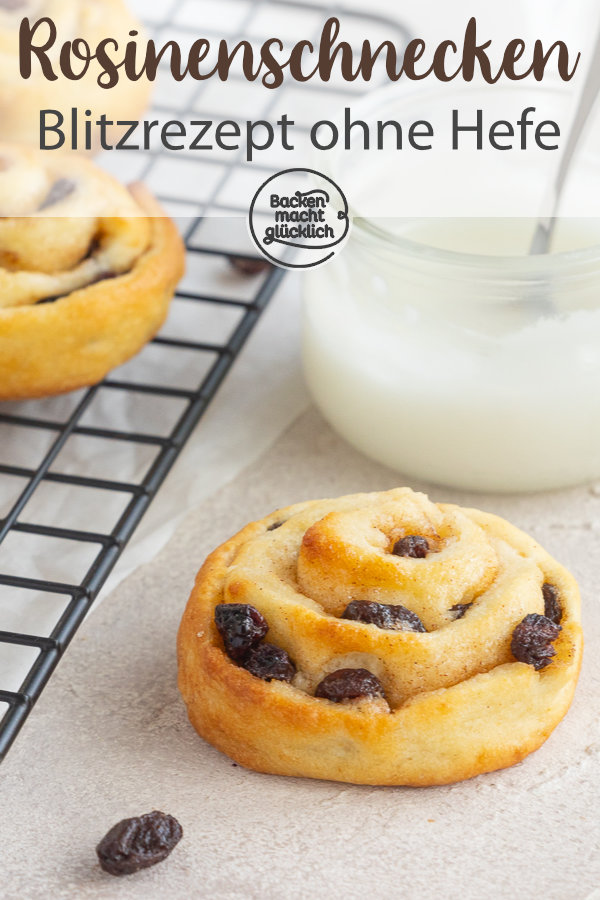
(478, 370)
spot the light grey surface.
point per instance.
(110, 739)
(542, 238)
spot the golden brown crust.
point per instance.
(21, 100)
(459, 703)
(76, 340)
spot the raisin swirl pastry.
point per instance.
(21, 100)
(87, 271)
(379, 639)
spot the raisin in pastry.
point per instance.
(87, 271)
(376, 666)
(21, 100)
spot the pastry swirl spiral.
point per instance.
(87, 270)
(22, 100)
(443, 694)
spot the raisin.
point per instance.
(413, 545)
(459, 609)
(392, 618)
(102, 276)
(552, 608)
(241, 626)
(269, 663)
(246, 266)
(532, 640)
(349, 684)
(138, 843)
(274, 525)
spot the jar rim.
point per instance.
(569, 263)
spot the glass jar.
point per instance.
(479, 369)
(472, 371)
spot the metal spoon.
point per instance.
(544, 231)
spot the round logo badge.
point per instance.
(299, 218)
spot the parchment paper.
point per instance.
(110, 739)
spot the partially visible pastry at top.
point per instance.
(380, 639)
(21, 100)
(87, 270)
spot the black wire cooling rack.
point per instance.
(35, 437)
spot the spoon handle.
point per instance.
(589, 94)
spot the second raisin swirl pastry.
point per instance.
(380, 639)
(21, 100)
(87, 270)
